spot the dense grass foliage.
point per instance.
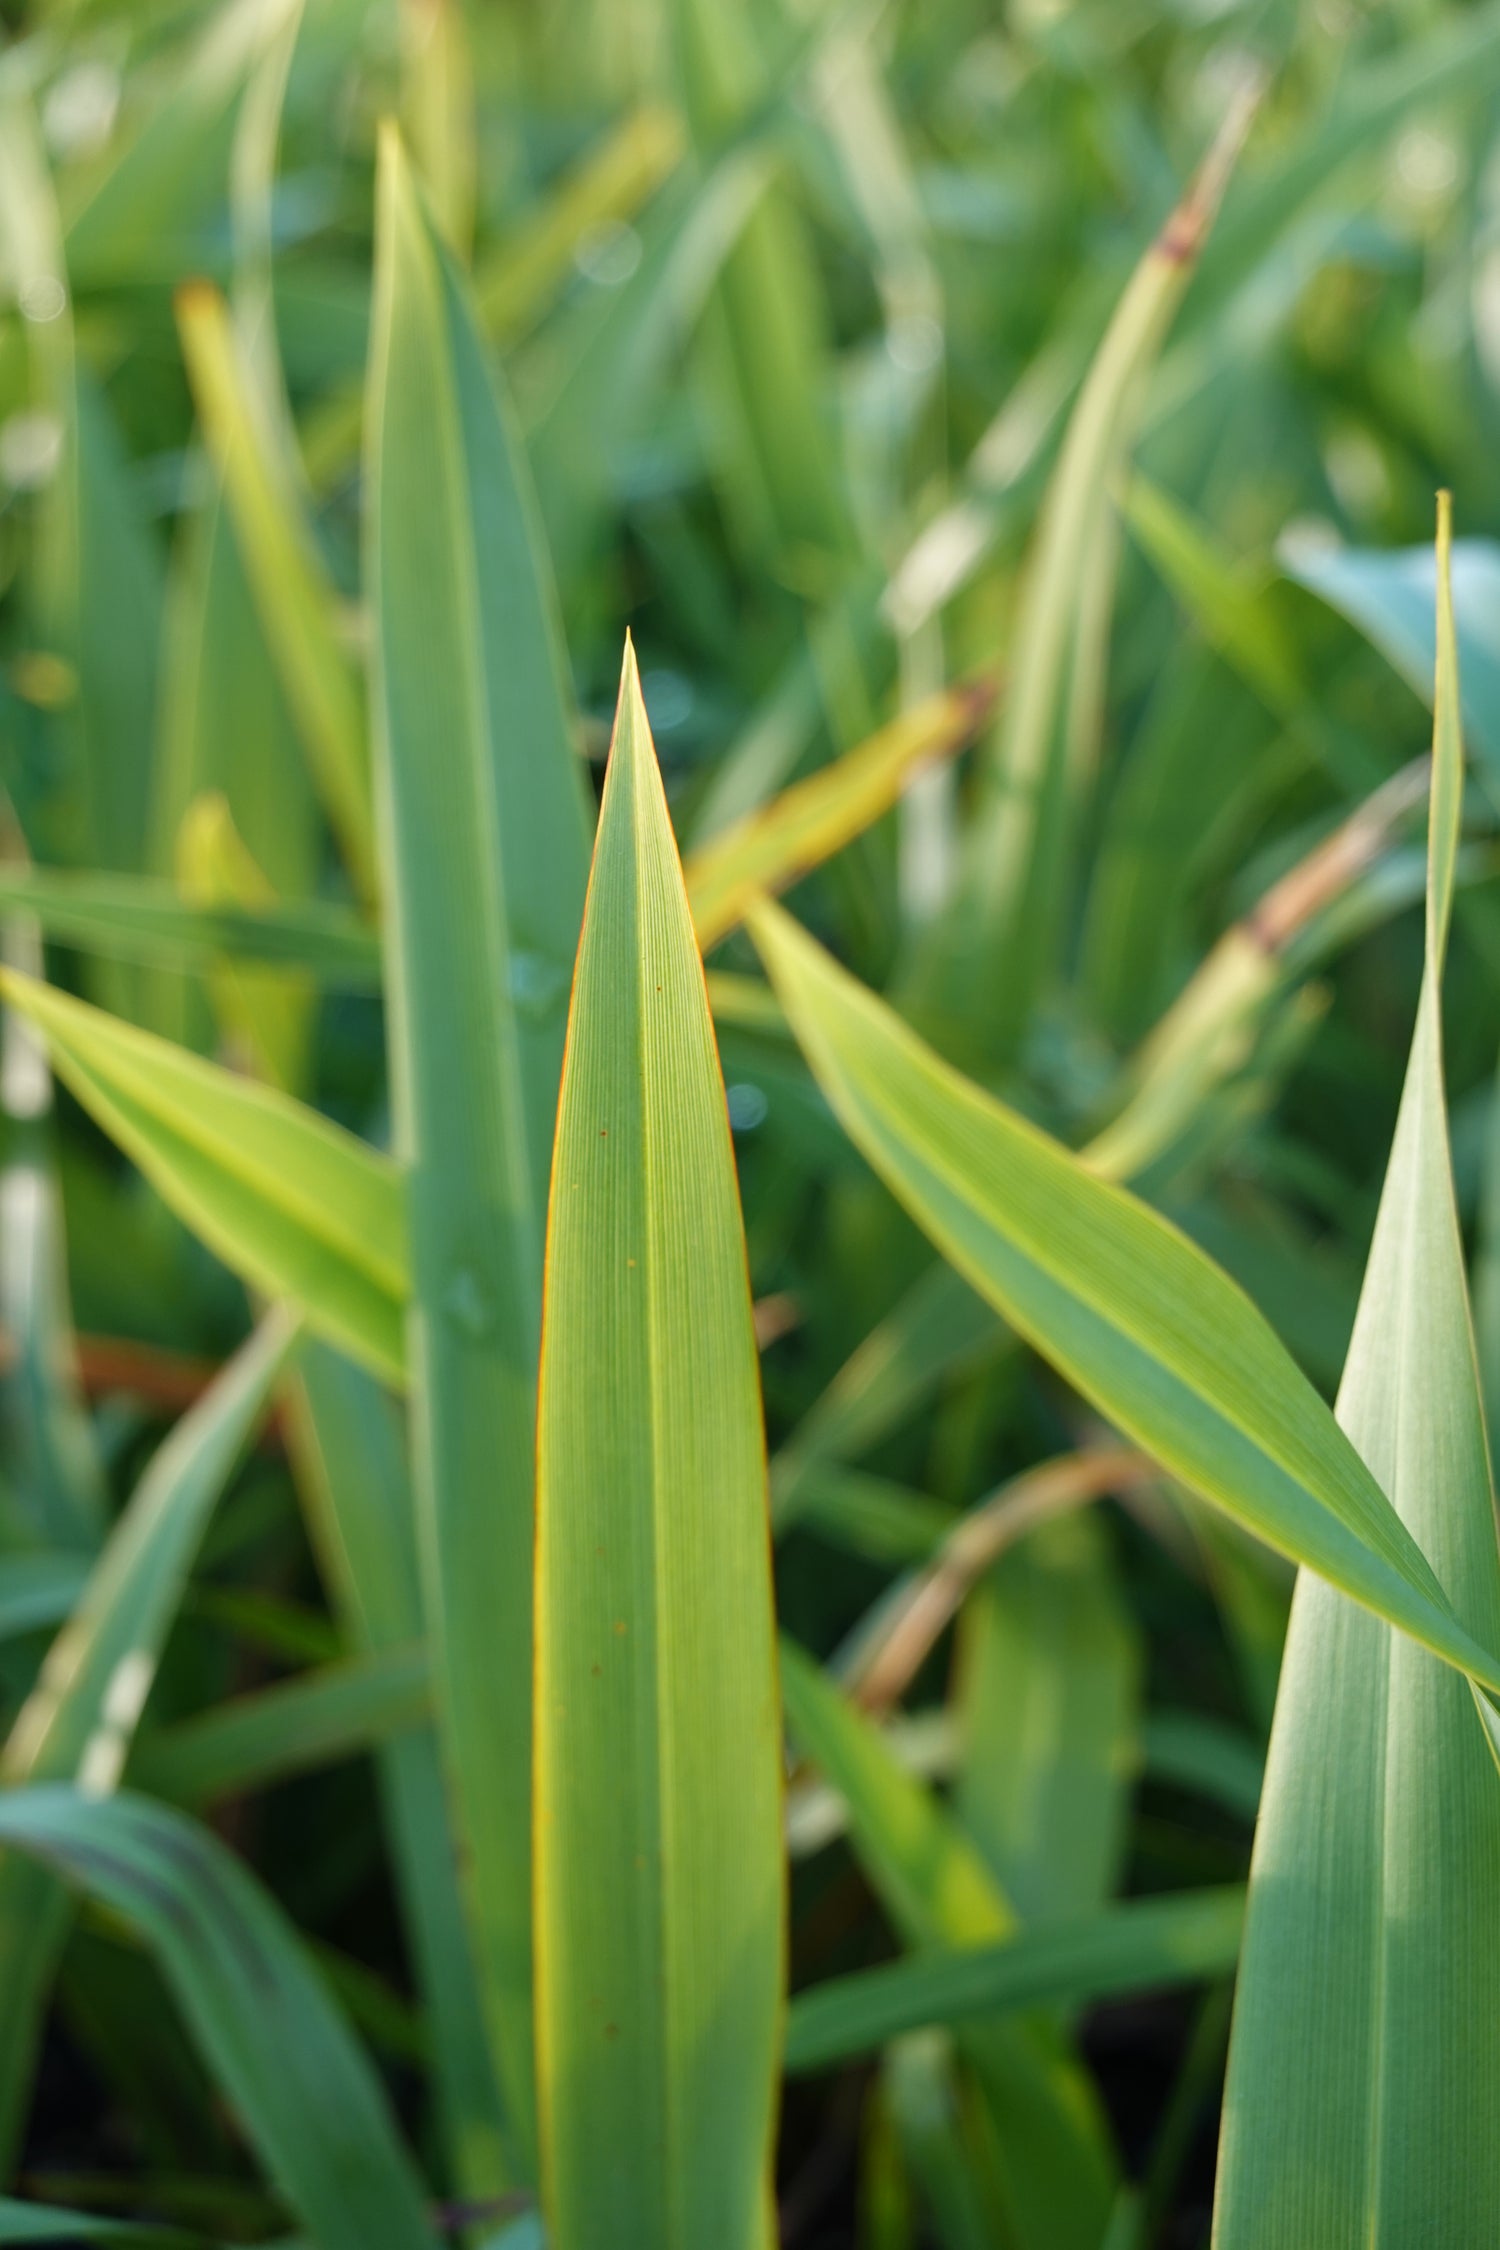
(654, 1608)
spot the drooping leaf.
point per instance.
(659, 1874)
(1134, 1314)
(311, 2102)
(484, 844)
(295, 1204)
(80, 1718)
(1365, 2059)
(806, 824)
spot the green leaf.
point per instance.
(348, 1445)
(50, 2222)
(1048, 1683)
(81, 1716)
(940, 1894)
(767, 347)
(1135, 1316)
(1143, 1946)
(310, 2101)
(1390, 597)
(659, 1868)
(298, 1206)
(484, 838)
(1365, 2060)
(1037, 771)
(313, 1720)
(294, 595)
(137, 918)
(39, 1589)
(50, 1449)
(770, 848)
(939, 1328)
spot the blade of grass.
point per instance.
(804, 826)
(1365, 2056)
(437, 88)
(297, 1726)
(1048, 1685)
(49, 1439)
(939, 1327)
(313, 2106)
(139, 918)
(1145, 1326)
(659, 1882)
(81, 1715)
(294, 595)
(298, 1206)
(767, 320)
(348, 1448)
(998, 935)
(484, 838)
(1145, 1945)
(939, 1893)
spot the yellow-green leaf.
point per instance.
(294, 1203)
(659, 1868)
(1365, 2064)
(1132, 1313)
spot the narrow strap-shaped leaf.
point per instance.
(988, 954)
(138, 918)
(1142, 1946)
(295, 598)
(81, 1716)
(939, 1893)
(311, 1720)
(806, 824)
(659, 1883)
(1133, 1313)
(296, 1205)
(1365, 2063)
(50, 1450)
(272, 2037)
(485, 849)
(348, 1444)
(52, 2222)
(1049, 1688)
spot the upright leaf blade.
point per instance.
(293, 592)
(349, 1449)
(1058, 2165)
(659, 1873)
(484, 843)
(1365, 2064)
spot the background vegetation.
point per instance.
(1014, 396)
